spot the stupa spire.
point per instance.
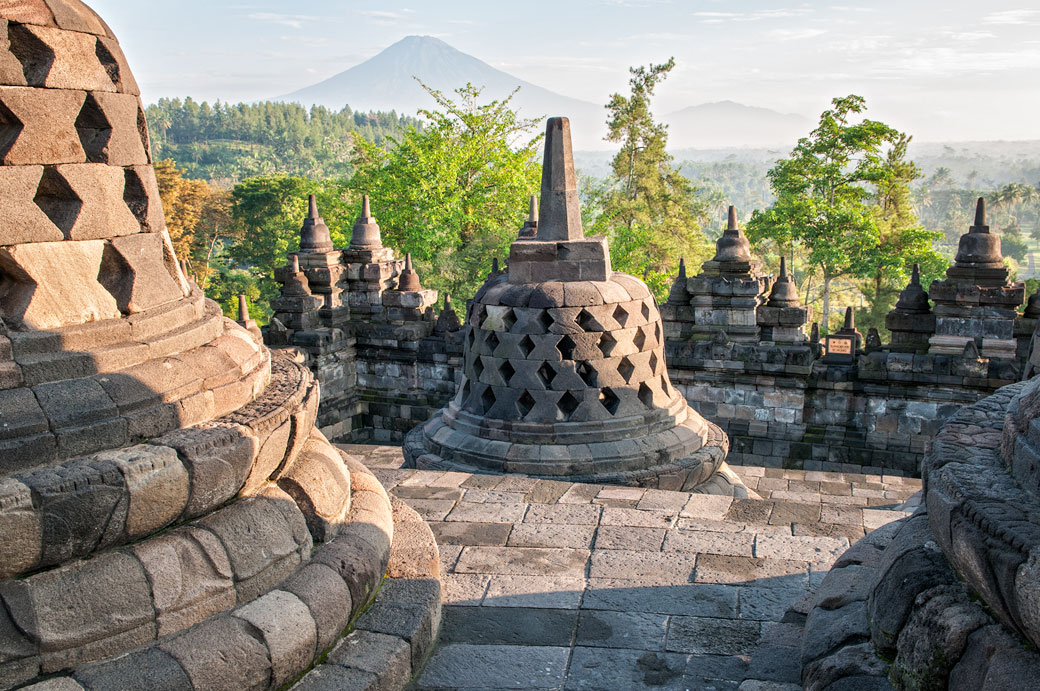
(784, 293)
(409, 280)
(314, 235)
(560, 216)
(365, 235)
(530, 228)
(980, 217)
(733, 246)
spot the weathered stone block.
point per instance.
(190, 575)
(134, 269)
(38, 302)
(111, 610)
(149, 668)
(76, 16)
(83, 508)
(269, 458)
(21, 414)
(22, 528)
(935, 637)
(72, 64)
(122, 143)
(260, 544)
(92, 403)
(103, 212)
(320, 485)
(42, 125)
(21, 219)
(28, 12)
(221, 654)
(141, 193)
(288, 630)
(360, 562)
(158, 486)
(388, 656)
(114, 62)
(327, 598)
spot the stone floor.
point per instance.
(555, 585)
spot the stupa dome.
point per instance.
(564, 367)
(163, 488)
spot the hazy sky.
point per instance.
(949, 70)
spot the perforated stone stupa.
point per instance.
(564, 369)
(170, 518)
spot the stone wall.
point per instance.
(802, 413)
(404, 384)
(879, 413)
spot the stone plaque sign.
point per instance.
(840, 349)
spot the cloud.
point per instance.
(381, 14)
(389, 17)
(794, 34)
(781, 13)
(970, 35)
(293, 21)
(950, 61)
(1012, 17)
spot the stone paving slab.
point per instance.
(556, 585)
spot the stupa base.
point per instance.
(686, 458)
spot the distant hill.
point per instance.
(386, 82)
(728, 124)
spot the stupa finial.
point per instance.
(365, 235)
(409, 280)
(731, 223)
(980, 217)
(529, 231)
(314, 235)
(560, 209)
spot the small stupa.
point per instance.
(976, 302)
(564, 367)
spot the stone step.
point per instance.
(391, 641)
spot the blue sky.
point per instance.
(950, 70)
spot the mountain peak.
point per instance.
(416, 41)
(388, 81)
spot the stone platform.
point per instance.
(561, 585)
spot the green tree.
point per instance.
(828, 194)
(649, 210)
(267, 213)
(455, 192)
(902, 240)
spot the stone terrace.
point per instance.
(558, 585)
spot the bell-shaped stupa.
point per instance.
(168, 509)
(564, 367)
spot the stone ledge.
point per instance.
(104, 492)
(392, 640)
(263, 643)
